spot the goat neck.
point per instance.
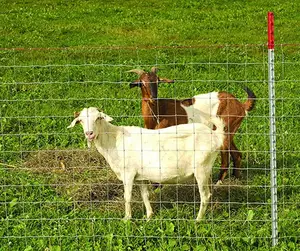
(150, 113)
(106, 135)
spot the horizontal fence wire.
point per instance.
(57, 192)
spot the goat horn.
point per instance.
(137, 71)
(154, 69)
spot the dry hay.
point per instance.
(85, 179)
(44, 161)
(83, 176)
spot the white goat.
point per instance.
(168, 155)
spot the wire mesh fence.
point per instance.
(57, 194)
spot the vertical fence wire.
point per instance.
(38, 100)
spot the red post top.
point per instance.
(270, 30)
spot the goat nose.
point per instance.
(89, 133)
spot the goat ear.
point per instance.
(76, 114)
(73, 123)
(135, 84)
(108, 118)
(165, 80)
(105, 117)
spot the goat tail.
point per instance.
(219, 131)
(250, 103)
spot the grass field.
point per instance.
(58, 57)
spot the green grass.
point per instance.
(136, 23)
(78, 206)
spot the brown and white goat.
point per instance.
(161, 113)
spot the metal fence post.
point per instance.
(271, 81)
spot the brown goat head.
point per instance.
(148, 82)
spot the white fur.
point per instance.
(168, 155)
(205, 107)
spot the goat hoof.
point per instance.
(149, 217)
(199, 219)
(126, 219)
(219, 182)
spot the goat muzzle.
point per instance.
(90, 135)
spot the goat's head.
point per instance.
(148, 82)
(87, 118)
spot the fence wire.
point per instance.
(55, 193)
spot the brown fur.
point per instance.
(164, 110)
(232, 112)
(161, 113)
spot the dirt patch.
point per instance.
(64, 160)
